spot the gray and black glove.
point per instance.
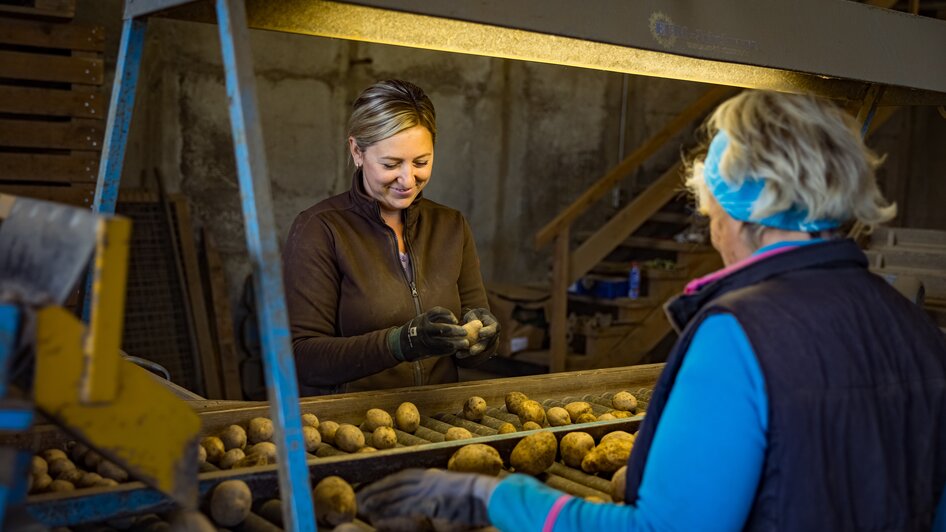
(433, 333)
(488, 335)
(417, 499)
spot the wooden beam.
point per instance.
(76, 134)
(624, 223)
(51, 102)
(43, 8)
(45, 67)
(629, 164)
(558, 322)
(222, 320)
(79, 167)
(78, 195)
(46, 35)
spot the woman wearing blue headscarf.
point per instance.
(804, 393)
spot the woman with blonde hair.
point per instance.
(379, 279)
(804, 392)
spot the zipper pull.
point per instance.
(413, 289)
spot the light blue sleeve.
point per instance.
(705, 461)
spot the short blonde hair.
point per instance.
(387, 108)
(809, 152)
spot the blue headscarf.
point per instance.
(738, 201)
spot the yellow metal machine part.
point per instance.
(116, 407)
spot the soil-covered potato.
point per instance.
(366, 449)
(624, 401)
(606, 416)
(233, 437)
(608, 456)
(71, 475)
(41, 483)
(91, 460)
(375, 418)
(271, 510)
(53, 454)
(251, 460)
(587, 417)
(578, 408)
(531, 425)
(476, 458)
(532, 411)
(474, 408)
(61, 485)
(310, 420)
(311, 437)
(618, 434)
(265, 449)
(259, 429)
(77, 450)
(38, 466)
(457, 433)
(506, 428)
(407, 417)
(231, 457)
(534, 454)
(327, 429)
(214, 447)
(349, 438)
(88, 480)
(575, 445)
(201, 454)
(619, 484)
(106, 483)
(558, 416)
(514, 400)
(384, 438)
(230, 502)
(109, 469)
(60, 465)
(191, 520)
(621, 414)
(335, 501)
(472, 329)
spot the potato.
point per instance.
(587, 417)
(41, 483)
(407, 417)
(349, 438)
(192, 520)
(201, 454)
(618, 434)
(384, 438)
(621, 414)
(91, 460)
(214, 447)
(327, 431)
(88, 480)
(334, 501)
(606, 416)
(474, 408)
(608, 456)
(457, 433)
(534, 454)
(619, 484)
(61, 485)
(595, 499)
(230, 502)
(311, 437)
(53, 454)
(476, 458)
(578, 408)
(507, 428)
(265, 449)
(77, 450)
(624, 401)
(558, 416)
(231, 457)
(310, 420)
(60, 465)
(271, 510)
(233, 437)
(38, 466)
(106, 483)
(575, 445)
(259, 429)
(514, 400)
(531, 425)
(71, 475)
(111, 470)
(375, 418)
(532, 411)
(251, 460)
(366, 449)
(472, 329)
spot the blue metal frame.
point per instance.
(15, 416)
(256, 198)
(9, 327)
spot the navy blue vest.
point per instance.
(856, 383)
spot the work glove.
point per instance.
(488, 335)
(433, 333)
(432, 499)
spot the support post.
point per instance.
(558, 323)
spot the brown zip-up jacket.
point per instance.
(346, 288)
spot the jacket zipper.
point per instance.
(416, 366)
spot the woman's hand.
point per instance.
(488, 335)
(433, 333)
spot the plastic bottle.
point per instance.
(634, 281)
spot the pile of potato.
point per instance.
(53, 470)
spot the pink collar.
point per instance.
(696, 284)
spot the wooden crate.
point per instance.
(52, 107)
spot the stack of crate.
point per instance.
(52, 106)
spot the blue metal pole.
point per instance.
(256, 197)
(9, 327)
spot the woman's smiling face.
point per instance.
(397, 168)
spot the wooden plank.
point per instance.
(625, 223)
(80, 196)
(43, 8)
(558, 321)
(195, 290)
(79, 167)
(629, 164)
(77, 134)
(57, 68)
(51, 102)
(222, 319)
(56, 35)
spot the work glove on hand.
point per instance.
(418, 499)
(488, 335)
(433, 333)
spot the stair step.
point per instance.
(665, 244)
(905, 236)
